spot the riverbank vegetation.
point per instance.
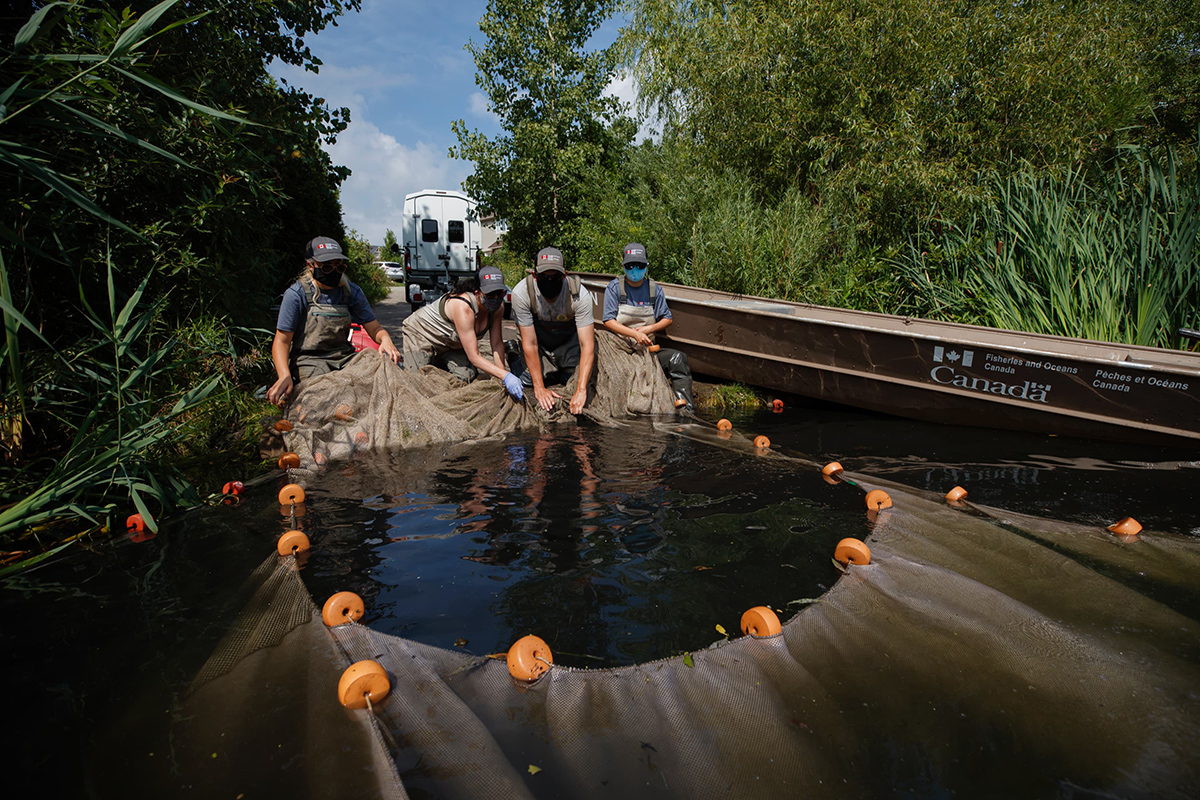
(159, 189)
(871, 155)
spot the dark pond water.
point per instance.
(617, 546)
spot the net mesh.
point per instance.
(373, 406)
(969, 625)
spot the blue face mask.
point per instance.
(635, 274)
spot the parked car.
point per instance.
(393, 269)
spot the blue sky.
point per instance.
(402, 69)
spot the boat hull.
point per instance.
(936, 371)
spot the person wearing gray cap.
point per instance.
(312, 333)
(446, 334)
(554, 315)
(635, 306)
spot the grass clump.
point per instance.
(725, 396)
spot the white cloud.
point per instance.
(479, 104)
(625, 89)
(384, 170)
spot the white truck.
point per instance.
(442, 243)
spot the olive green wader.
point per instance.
(673, 362)
(431, 338)
(323, 345)
(557, 339)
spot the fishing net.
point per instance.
(372, 405)
(986, 641)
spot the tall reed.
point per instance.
(1110, 256)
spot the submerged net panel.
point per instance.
(374, 406)
(257, 721)
(987, 643)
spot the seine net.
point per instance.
(373, 406)
(972, 630)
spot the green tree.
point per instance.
(391, 249)
(560, 129)
(886, 111)
(142, 201)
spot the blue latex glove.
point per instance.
(513, 384)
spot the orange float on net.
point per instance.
(1127, 527)
(761, 621)
(878, 499)
(361, 438)
(777, 405)
(724, 425)
(320, 459)
(292, 494)
(363, 681)
(762, 442)
(955, 494)
(233, 487)
(135, 523)
(341, 608)
(831, 469)
(344, 412)
(289, 461)
(852, 551)
(283, 426)
(292, 543)
(529, 658)
(654, 348)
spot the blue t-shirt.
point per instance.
(294, 306)
(634, 296)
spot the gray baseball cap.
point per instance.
(550, 258)
(491, 280)
(324, 249)
(634, 254)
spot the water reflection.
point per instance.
(618, 545)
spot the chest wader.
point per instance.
(323, 345)
(558, 339)
(431, 338)
(673, 362)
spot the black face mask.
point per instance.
(492, 302)
(550, 284)
(330, 276)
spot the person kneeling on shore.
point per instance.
(635, 306)
(446, 333)
(554, 316)
(312, 333)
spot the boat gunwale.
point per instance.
(1113, 354)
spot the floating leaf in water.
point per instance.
(721, 630)
(460, 642)
(687, 660)
(701, 569)
(534, 770)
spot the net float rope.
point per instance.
(956, 494)
(777, 405)
(289, 461)
(654, 348)
(135, 523)
(363, 684)
(292, 543)
(761, 621)
(852, 551)
(1127, 529)
(529, 658)
(342, 608)
(878, 499)
(344, 412)
(762, 442)
(283, 426)
(724, 425)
